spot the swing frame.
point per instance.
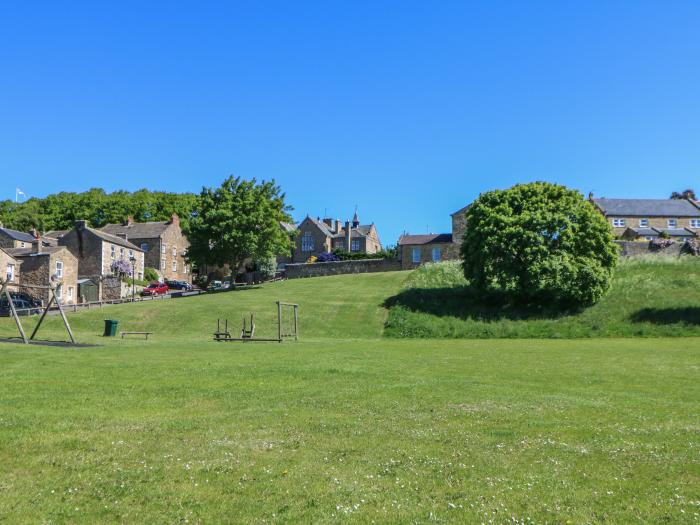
(53, 288)
(248, 334)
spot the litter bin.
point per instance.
(111, 327)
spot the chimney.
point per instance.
(80, 225)
(175, 219)
(36, 243)
(338, 226)
(129, 220)
(348, 238)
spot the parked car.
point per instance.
(179, 285)
(214, 285)
(226, 285)
(25, 297)
(23, 307)
(155, 289)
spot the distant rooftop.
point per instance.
(430, 238)
(648, 207)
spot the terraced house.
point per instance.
(14, 239)
(433, 247)
(163, 243)
(650, 218)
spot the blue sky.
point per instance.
(406, 109)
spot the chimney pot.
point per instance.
(130, 220)
(175, 219)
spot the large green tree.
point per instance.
(239, 221)
(538, 243)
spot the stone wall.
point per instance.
(632, 248)
(449, 251)
(296, 271)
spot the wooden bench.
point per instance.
(146, 334)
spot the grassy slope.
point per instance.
(344, 424)
(649, 297)
(382, 430)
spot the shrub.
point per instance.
(538, 244)
(311, 259)
(150, 274)
(267, 267)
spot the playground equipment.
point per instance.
(287, 326)
(54, 299)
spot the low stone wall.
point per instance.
(632, 248)
(298, 270)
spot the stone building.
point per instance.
(163, 243)
(648, 218)
(14, 239)
(316, 236)
(96, 252)
(434, 247)
(9, 267)
(41, 265)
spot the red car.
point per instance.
(155, 289)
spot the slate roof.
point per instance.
(430, 238)
(360, 231)
(288, 226)
(648, 207)
(55, 234)
(138, 230)
(17, 236)
(29, 252)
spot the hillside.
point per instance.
(649, 297)
(345, 306)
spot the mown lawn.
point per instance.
(344, 425)
(649, 297)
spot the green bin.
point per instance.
(111, 327)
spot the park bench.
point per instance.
(146, 334)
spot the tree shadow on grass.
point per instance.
(688, 315)
(462, 302)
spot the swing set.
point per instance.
(287, 326)
(54, 299)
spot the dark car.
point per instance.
(155, 289)
(25, 297)
(179, 285)
(22, 307)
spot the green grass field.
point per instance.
(649, 297)
(345, 425)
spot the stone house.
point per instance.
(648, 218)
(9, 267)
(316, 236)
(163, 243)
(14, 239)
(41, 265)
(415, 250)
(96, 252)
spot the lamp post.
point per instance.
(133, 277)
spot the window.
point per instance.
(69, 295)
(131, 254)
(174, 251)
(10, 272)
(114, 250)
(695, 223)
(21, 245)
(141, 276)
(643, 223)
(174, 266)
(307, 242)
(436, 254)
(187, 269)
(121, 252)
(59, 292)
(672, 223)
(162, 265)
(619, 223)
(144, 246)
(415, 254)
(355, 246)
(649, 238)
(163, 247)
(59, 269)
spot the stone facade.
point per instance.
(299, 270)
(9, 267)
(164, 245)
(459, 225)
(316, 236)
(15, 239)
(41, 267)
(96, 251)
(657, 214)
(413, 255)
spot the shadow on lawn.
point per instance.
(461, 302)
(689, 315)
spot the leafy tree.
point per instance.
(239, 221)
(538, 244)
(685, 194)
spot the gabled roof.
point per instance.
(461, 210)
(360, 231)
(114, 239)
(430, 238)
(320, 225)
(138, 230)
(29, 252)
(648, 207)
(288, 226)
(7, 252)
(17, 236)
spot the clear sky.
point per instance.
(406, 109)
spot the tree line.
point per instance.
(59, 211)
